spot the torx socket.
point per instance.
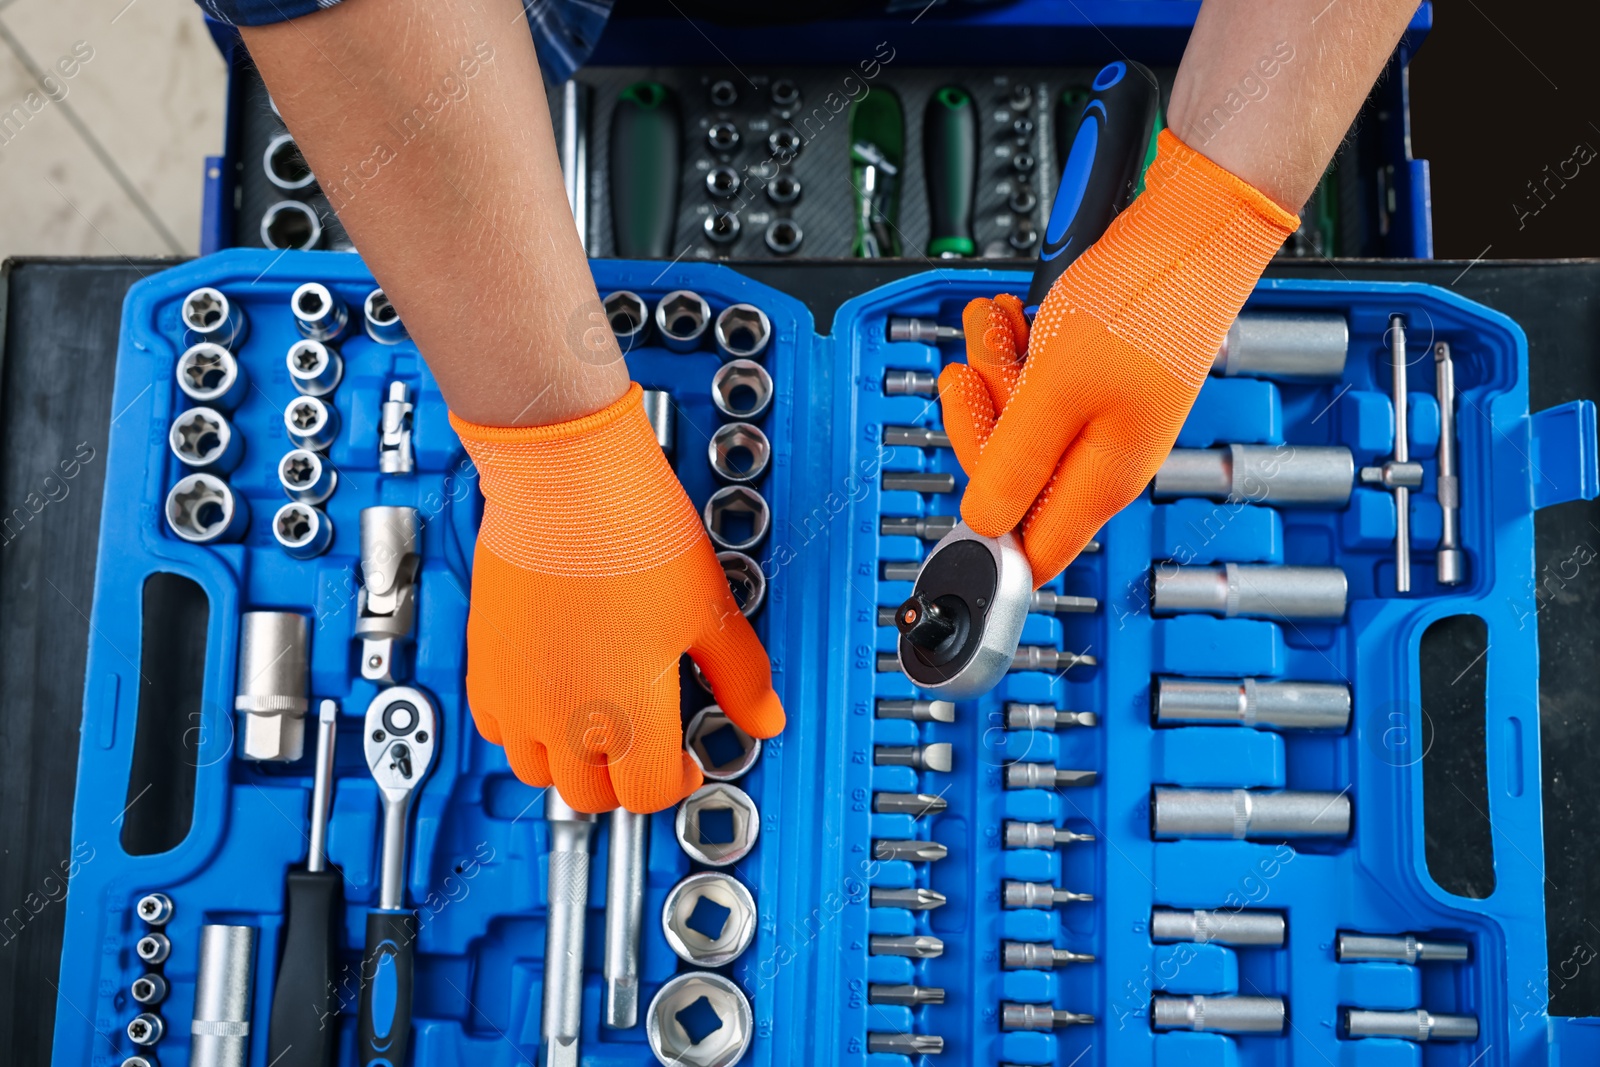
(1248, 702)
(314, 368)
(154, 908)
(918, 482)
(1294, 346)
(1047, 776)
(741, 331)
(742, 389)
(1236, 590)
(1248, 814)
(312, 423)
(220, 1032)
(917, 899)
(1020, 716)
(629, 318)
(152, 948)
(934, 757)
(209, 375)
(209, 315)
(302, 530)
(658, 412)
(147, 1029)
(306, 476)
(909, 850)
(1040, 1017)
(1217, 927)
(913, 804)
(916, 436)
(202, 440)
(1019, 834)
(148, 989)
(1044, 658)
(1401, 948)
(1275, 475)
(203, 510)
(1015, 894)
(739, 452)
(1044, 602)
(382, 319)
(915, 710)
(930, 528)
(913, 946)
(920, 330)
(1037, 956)
(273, 679)
(904, 996)
(912, 1045)
(319, 314)
(910, 383)
(1419, 1025)
(1219, 1015)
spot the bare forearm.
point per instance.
(426, 124)
(1267, 90)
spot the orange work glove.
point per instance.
(593, 575)
(1059, 430)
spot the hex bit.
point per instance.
(919, 482)
(916, 899)
(1021, 716)
(1045, 658)
(1039, 1017)
(916, 710)
(1045, 602)
(1038, 956)
(929, 528)
(912, 946)
(912, 1045)
(916, 436)
(910, 850)
(1047, 776)
(1040, 835)
(1014, 894)
(896, 570)
(935, 757)
(916, 804)
(905, 996)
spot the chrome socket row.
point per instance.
(147, 1028)
(682, 321)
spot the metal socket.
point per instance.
(382, 319)
(783, 190)
(718, 824)
(1419, 1025)
(1217, 927)
(285, 167)
(910, 383)
(306, 476)
(657, 405)
(737, 518)
(302, 530)
(202, 510)
(138, 1061)
(314, 368)
(148, 989)
(1248, 702)
(209, 375)
(208, 313)
(312, 423)
(1219, 1015)
(154, 908)
(222, 991)
(1401, 948)
(784, 143)
(273, 681)
(721, 227)
(745, 580)
(784, 237)
(1276, 475)
(1236, 590)
(682, 318)
(739, 452)
(742, 389)
(153, 948)
(146, 1029)
(1294, 346)
(629, 317)
(922, 330)
(203, 440)
(1248, 814)
(742, 331)
(290, 224)
(699, 1019)
(723, 750)
(722, 137)
(319, 314)
(784, 93)
(709, 919)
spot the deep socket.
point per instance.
(910, 383)
(1276, 475)
(1402, 948)
(209, 375)
(1021, 716)
(915, 710)
(682, 319)
(1294, 346)
(1450, 563)
(1419, 1025)
(658, 412)
(1219, 927)
(311, 422)
(1248, 814)
(221, 1026)
(1019, 834)
(914, 804)
(382, 319)
(1219, 1015)
(1037, 956)
(319, 314)
(314, 368)
(1015, 894)
(1236, 590)
(1249, 702)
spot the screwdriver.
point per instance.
(300, 1033)
(950, 161)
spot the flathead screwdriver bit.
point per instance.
(929, 528)
(1021, 716)
(935, 757)
(1038, 956)
(913, 804)
(917, 899)
(905, 996)
(1045, 602)
(915, 710)
(1047, 776)
(1039, 1017)
(1040, 835)
(916, 436)
(1014, 894)
(1045, 658)
(912, 851)
(914, 946)
(912, 1045)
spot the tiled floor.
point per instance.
(107, 111)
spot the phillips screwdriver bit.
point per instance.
(931, 528)
(1021, 716)
(912, 1045)
(1037, 956)
(1047, 776)
(916, 710)
(905, 996)
(927, 331)
(910, 899)
(935, 757)
(914, 804)
(1040, 835)
(1045, 658)
(912, 851)
(1014, 894)
(916, 436)
(1039, 1017)
(915, 946)
(1045, 602)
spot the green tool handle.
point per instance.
(950, 162)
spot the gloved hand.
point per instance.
(1059, 428)
(593, 575)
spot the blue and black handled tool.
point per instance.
(960, 629)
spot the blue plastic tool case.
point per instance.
(477, 838)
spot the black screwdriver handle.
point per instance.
(950, 161)
(304, 1031)
(1102, 169)
(384, 1034)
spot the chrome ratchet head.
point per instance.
(963, 622)
(401, 734)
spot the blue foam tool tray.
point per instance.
(478, 840)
